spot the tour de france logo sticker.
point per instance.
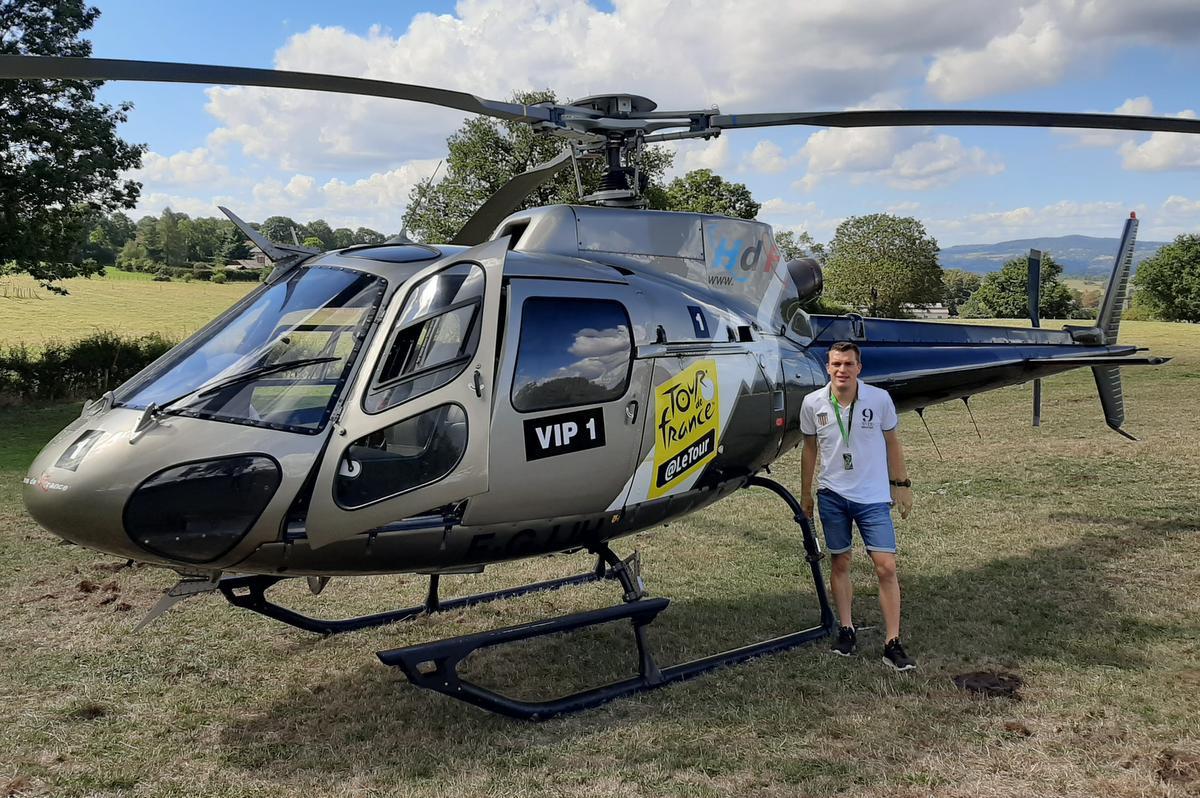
(686, 417)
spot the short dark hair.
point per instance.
(847, 346)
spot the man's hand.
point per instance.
(902, 499)
(806, 504)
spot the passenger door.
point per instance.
(414, 432)
(568, 420)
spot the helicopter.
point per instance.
(548, 381)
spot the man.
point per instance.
(862, 476)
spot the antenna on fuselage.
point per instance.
(967, 403)
(921, 414)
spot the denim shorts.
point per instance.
(874, 523)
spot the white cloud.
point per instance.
(1065, 217)
(1163, 151)
(929, 164)
(903, 157)
(690, 155)
(1135, 106)
(1051, 38)
(766, 158)
(1036, 53)
(780, 207)
(186, 168)
(377, 201)
(684, 54)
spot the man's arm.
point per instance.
(898, 470)
(808, 464)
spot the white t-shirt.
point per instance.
(874, 413)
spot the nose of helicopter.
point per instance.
(106, 485)
(65, 490)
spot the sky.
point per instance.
(352, 161)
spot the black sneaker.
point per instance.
(894, 656)
(846, 643)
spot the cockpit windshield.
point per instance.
(238, 371)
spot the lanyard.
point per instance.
(847, 428)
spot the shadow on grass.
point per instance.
(1018, 612)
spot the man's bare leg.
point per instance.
(889, 590)
(843, 588)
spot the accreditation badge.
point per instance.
(847, 461)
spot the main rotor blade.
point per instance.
(49, 67)
(506, 199)
(949, 117)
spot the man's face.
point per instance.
(843, 369)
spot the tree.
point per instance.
(343, 237)
(233, 247)
(882, 262)
(313, 242)
(279, 229)
(1168, 282)
(486, 153)
(174, 245)
(150, 238)
(701, 191)
(60, 156)
(1005, 294)
(960, 284)
(321, 230)
(795, 245)
(365, 235)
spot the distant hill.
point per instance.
(1080, 256)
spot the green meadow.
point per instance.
(1065, 556)
(125, 302)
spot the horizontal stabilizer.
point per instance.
(1102, 361)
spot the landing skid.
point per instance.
(250, 593)
(434, 666)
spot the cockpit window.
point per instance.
(316, 316)
(572, 352)
(434, 337)
(801, 325)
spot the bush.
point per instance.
(244, 275)
(824, 307)
(84, 368)
(218, 278)
(161, 276)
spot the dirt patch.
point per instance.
(994, 684)
(88, 711)
(1178, 767)
(1017, 728)
(87, 586)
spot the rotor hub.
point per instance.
(617, 105)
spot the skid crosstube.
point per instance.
(434, 665)
(249, 592)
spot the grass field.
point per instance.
(125, 302)
(1065, 555)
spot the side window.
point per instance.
(435, 336)
(414, 452)
(572, 352)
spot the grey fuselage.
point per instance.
(655, 417)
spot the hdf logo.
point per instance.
(738, 259)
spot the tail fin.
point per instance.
(1108, 378)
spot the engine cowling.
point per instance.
(808, 278)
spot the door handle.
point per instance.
(477, 383)
(631, 412)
